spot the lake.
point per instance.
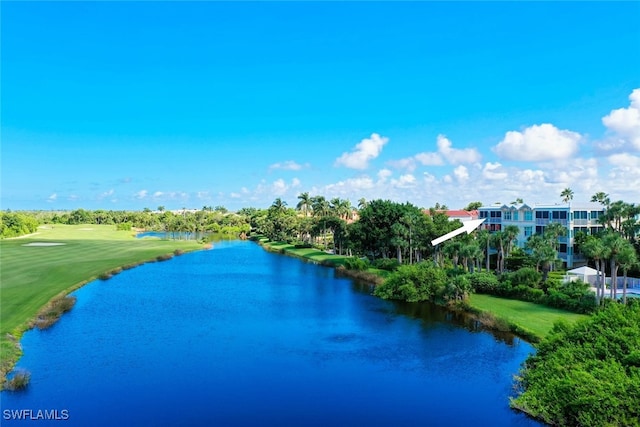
(237, 336)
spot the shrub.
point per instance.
(19, 381)
(389, 264)
(354, 263)
(123, 226)
(526, 276)
(412, 283)
(52, 312)
(484, 282)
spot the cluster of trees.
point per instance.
(587, 374)
(195, 223)
(13, 224)
(378, 229)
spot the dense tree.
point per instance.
(473, 206)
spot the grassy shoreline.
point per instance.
(530, 321)
(34, 277)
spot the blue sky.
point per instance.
(126, 105)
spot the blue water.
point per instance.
(236, 336)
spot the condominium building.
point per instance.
(532, 219)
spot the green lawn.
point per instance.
(30, 276)
(535, 318)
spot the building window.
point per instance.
(542, 214)
(496, 214)
(483, 214)
(596, 214)
(595, 230)
(580, 215)
(515, 216)
(559, 215)
(563, 248)
(528, 231)
(528, 216)
(507, 216)
(539, 229)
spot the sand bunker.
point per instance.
(44, 244)
(85, 229)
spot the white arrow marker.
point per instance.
(467, 226)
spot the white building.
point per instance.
(532, 219)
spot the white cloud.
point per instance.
(279, 187)
(383, 174)
(288, 165)
(158, 194)
(295, 182)
(52, 197)
(624, 125)
(141, 194)
(106, 194)
(445, 151)
(538, 143)
(493, 171)
(351, 186)
(429, 159)
(455, 156)
(409, 164)
(368, 149)
(405, 181)
(461, 173)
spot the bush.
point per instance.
(354, 263)
(412, 283)
(124, 226)
(586, 374)
(19, 381)
(389, 264)
(486, 283)
(526, 276)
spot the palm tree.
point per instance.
(594, 249)
(615, 244)
(517, 201)
(567, 194)
(279, 205)
(628, 259)
(305, 203)
(321, 209)
(362, 203)
(484, 238)
(602, 198)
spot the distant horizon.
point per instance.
(127, 105)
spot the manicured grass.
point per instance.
(30, 276)
(533, 318)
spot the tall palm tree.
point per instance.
(279, 205)
(594, 249)
(304, 204)
(602, 198)
(615, 244)
(567, 194)
(628, 259)
(362, 203)
(321, 209)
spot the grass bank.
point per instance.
(372, 275)
(34, 272)
(532, 321)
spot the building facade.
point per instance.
(532, 219)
